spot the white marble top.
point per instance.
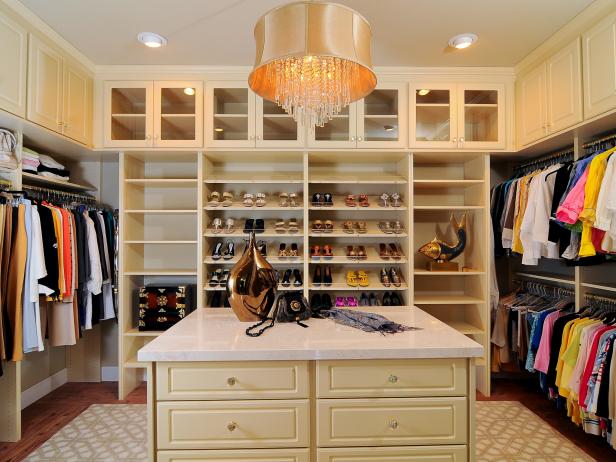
(208, 335)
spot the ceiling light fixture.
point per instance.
(312, 59)
(151, 39)
(462, 41)
(189, 91)
(423, 92)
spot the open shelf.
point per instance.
(444, 184)
(161, 272)
(448, 207)
(37, 180)
(549, 277)
(424, 298)
(160, 242)
(422, 272)
(339, 283)
(250, 177)
(605, 287)
(160, 182)
(339, 204)
(162, 211)
(272, 260)
(372, 230)
(357, 178)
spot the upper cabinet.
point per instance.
(60, 95)
(13, 56)
(236, 117)
(599, 55)
(548, 97)
(457, 116)
(140, 114)
(379, 120)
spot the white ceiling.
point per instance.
(219, 32)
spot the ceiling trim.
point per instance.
(41, 26)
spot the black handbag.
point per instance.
(288, 307)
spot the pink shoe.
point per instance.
(340, 302)
(352, 302)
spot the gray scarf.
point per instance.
(368, 322)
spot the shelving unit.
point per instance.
(37, 180)
(159, 217)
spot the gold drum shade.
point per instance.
(312, 59)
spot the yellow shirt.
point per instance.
(563, 347)
(591, 194)
(570, 355)
(522, 191)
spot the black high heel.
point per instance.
(327, 276)
(216, 252)
(395, 299)
(326, 302)
(229, 252)
(317, 278)
(286, 279)
(297, 278)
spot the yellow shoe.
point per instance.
(363, 278)
(351, 279)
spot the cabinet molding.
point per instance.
(13, 56)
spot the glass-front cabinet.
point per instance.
(459, 116)
(239, 118)
(377, 121)
(153, 114)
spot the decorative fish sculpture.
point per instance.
(441, 251)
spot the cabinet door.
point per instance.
(599, 55)
(276, 128)
(45, 85)
(432, 115)
(340, 132)
(128, 114)
(13, 56)
(530, 106)
(382, 117)
(481, 116)
(178, 114)
(78, 100)
(564, 88)
(230, 120)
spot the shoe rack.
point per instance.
(167, 230)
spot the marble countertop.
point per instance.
(209, 335)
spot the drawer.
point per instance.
(233, 424)
(395, 454)
(231, 380)
(392, 421)
(246, 455)
(392, 378)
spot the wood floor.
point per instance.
(48, 415)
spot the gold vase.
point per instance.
(252, 285)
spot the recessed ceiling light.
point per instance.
(151, 39)
(423, 92)
(462, 41)
(189, 91)
(219, 129)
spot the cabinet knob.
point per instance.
(352, 138)
(231, 426)
(454, 140)
(461, 139)
(393, 424)
(393, 379)
(258, 137)
(231, 381)
(359, 138)
(148, 137)
(155, 137)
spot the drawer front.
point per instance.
(392, 378)
(246, 455)
(395, 454)
(233, 424)
(231, 380)
(392, 421)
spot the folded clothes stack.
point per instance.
(29, 160)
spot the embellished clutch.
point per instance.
(162, 307)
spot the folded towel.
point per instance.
(53, 176)
(49, 162)
(54, 171)
(29, 153)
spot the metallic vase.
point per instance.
(252, 285)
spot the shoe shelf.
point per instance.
(372, 230)
(161, 272)
(372, 258)
(443, 298)
(255, 178)
(274, 261)
(266, 208)
(356, 178)
(423, 272)
(281, 288)
(163, 182)
(420, 185)
(160, 242)
(161, 211)
(339, 283)
(339, 204)
(270, 232)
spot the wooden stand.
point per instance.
(443, 266)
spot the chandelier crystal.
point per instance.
(313, 59)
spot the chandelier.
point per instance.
(313, 59)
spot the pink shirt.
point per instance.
(572, 206)
(542, 358)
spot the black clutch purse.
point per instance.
(288, 307)
(162, 307)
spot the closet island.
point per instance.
(326, 393)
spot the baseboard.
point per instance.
(109, 374)
(36, 392)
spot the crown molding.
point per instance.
(42, 27)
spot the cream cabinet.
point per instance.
(60, 94)
(13, 56)
(599, 56)
(237, 117)
(549, 97)
(456, 116)
(379, 120)
(160, 114)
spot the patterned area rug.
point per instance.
(506, 431)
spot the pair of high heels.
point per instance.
(219, 277)
(322, 275)
(392, 299)
(322, 200)
(291, 252)
(227, 254)
(297, 278)
(320, 302)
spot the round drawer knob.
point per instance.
(393, 424)
(231, 381)
(393, 379)
(231, 426)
